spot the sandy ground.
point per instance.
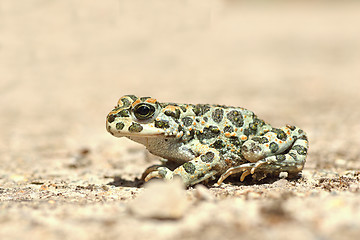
(64, 64)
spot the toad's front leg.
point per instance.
(197, 170)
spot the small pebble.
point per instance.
(161, 200)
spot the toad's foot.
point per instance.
(157, 172)
(149, 170)
(246, 169)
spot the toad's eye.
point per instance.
(144, 111)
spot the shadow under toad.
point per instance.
(121, 182)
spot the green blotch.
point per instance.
(189, 167)
(235, 140)
(280, 134)
(260, 140)
(144, 98)
(264, 140)
(120, 126)
(135, 127)
(207, 157)
(133, 97)
(274, 147)
(235, 118)
(303, 137)
(201, 109)
(219, 144)
(183, 108)
(217, 115)
(187, 121)
(162, 124)
(258, 122)
(292, 128)
(208, 132)
(123, 113)
(126, 102)
(111, 118)
(228, 129)
(253, 126)
(175, 114)
(280, 157)
(300, 149)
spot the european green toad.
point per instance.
(202, 141)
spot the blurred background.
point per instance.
(65, 63)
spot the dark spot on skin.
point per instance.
(175, 114)
(135, 127)
(214, 130)
(109, 130)
(189, 167)
(201, 109)
(162, 124)
(259, 122)
(183, 108)
(187, 121)
(111, 118)
(303, 137)
(228, 129)
(247, 131)
(133, 97)
(264, 140)
(207, 157)
(253, 148)
(280, 134)
(123, 113)
(253, 126)
(235, 118)
(292, 128)
(217, 115)
(300, 131)
(223, 106)
(300, 149)
(197, 120)
(280, 157)
(208, 132)
(235, 140)
(164, 105)
(126, 102)
(144, 98)
(120, 126)
(219, 144)
(274, 147)
(256, 139)
(205, 119)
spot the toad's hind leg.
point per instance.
(290, 160)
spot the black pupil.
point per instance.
(143, 110)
